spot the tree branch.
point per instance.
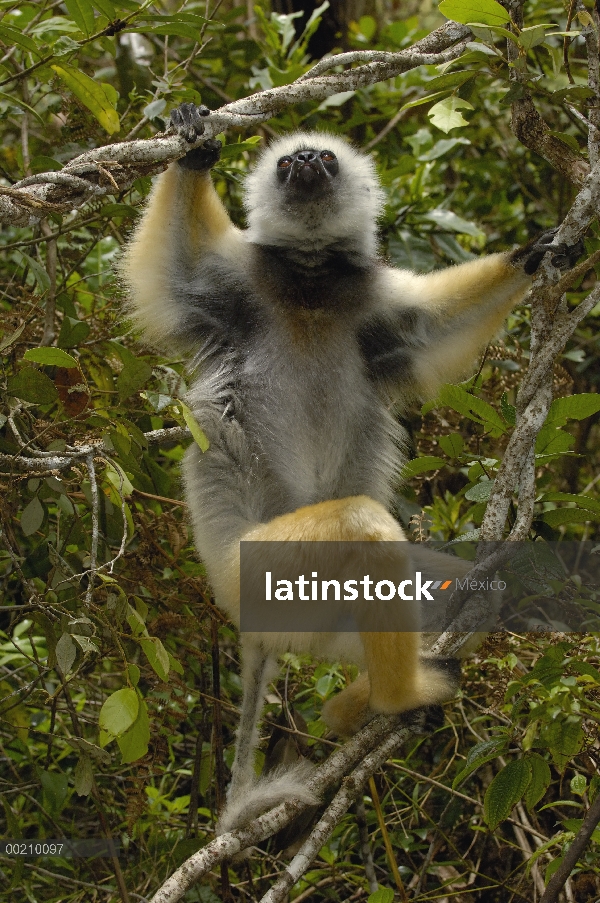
(569, 861)
(47, 461)
(115, 167)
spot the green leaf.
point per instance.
(82, 14)
(573, 407)
(12, 338)
(84, 776)
(509, 412)
(445, 116)
(438, 150)
(451, 80)
(192, 424)
(488, 12)
(534, 35)
(448, 220)
(92, 95)
(11, 36)
(66, 651)
(540, 779)
(155, 108)
(114, 210)
(564, 738)
(106, 8)
(236, 149)
(335, 100)
(578, 784)
(552, 441)
(134, 673)
(134, 743)
(182, 25)
(584, 501)
(491, 33)
(72, 332)
(421, 465)
(55, 786)
(571, 142)
(132, 377)
(119, 711)
(175, 665)
(135, 621)
(157, 656)
(21, 103)
(505, 791)
(480, 492)
(32, 517)
(452, 444)
(41, 276)
(65, 46)
(52, 357)
(561, 516)
(118, 478)
(474, 408)
(573, 94)
(480, 754)
(383, 895)
(421, 100)
(32, 385)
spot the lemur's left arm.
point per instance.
(432, 327)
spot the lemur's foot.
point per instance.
(437, 680)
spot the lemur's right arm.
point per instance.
(181, 261)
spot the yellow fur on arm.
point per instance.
(470, 303)
(491, 282)
(144, 265)
(206, 218)
(183, 218)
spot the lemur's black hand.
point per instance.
(531, 255)
(187, 122)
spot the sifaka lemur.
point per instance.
(304, 346)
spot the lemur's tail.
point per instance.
(283, 784)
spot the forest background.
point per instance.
(119, 679)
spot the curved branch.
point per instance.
(532, 131)
(51, 461)
(352, 764)
(115, 167)
(569, 860)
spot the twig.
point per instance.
(218, 741)
(348, 792)
(109, 565)
(365, 844)
(95, 512)
(50, 311)
(386, 841)
(569, 860)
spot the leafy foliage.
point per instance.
(107, 694)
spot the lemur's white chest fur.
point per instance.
(313, 417)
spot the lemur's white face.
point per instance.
(314, 188)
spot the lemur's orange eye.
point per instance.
(285, 162)
(327, 156)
